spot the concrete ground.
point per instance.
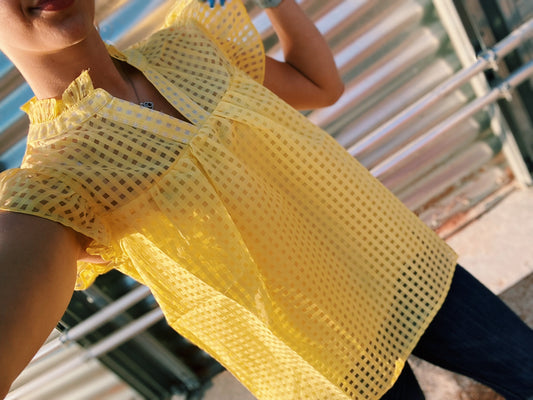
(497, 249)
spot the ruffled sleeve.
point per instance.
(51, 197)
(29, 192)
(230, 28)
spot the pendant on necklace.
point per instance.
(147, 104)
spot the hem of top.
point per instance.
(403, 356)
(176, 322)
(438, 305)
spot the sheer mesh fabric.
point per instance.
(263, 241)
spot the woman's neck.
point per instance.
(50, 74)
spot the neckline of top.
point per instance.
(45, 110)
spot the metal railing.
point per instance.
(104, 346)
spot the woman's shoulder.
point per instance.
(196, 35)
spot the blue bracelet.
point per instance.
(268, 3)
(260, 3)
(212, 2)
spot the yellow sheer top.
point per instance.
(262, 240)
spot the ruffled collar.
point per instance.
(48, 109)
(45, 110)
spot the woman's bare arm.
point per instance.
(309, 77)
(37, 276)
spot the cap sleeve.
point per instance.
(51, 197)
(29, 192)
(230, 27)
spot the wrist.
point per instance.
(268, 3)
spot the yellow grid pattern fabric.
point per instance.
(263, 241)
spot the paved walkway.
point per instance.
(497, 248)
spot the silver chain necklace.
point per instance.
(145, 104)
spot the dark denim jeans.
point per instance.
(474, 334)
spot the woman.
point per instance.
(261, 239)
